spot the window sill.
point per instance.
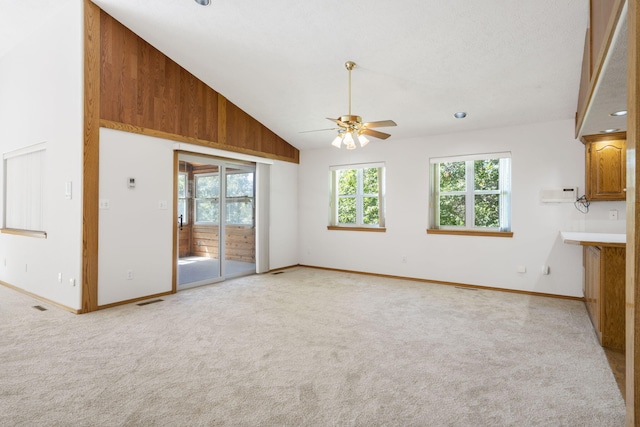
(27, 233)
(471, 232)
(370, 229)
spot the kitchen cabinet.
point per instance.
(605, 167)
(604, 290)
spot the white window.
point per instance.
(240, 197)
(471, 192)
(357, 195)
(24, 188)
(207, 198)
(183, 197)
(239, 200)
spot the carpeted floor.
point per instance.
(307, 348)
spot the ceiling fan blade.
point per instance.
(338, 122)
(380, 124)
(317, 130)
(376, 134)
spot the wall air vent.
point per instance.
(149, 302)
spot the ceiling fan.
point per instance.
(351, 128)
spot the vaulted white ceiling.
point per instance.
(504, 62)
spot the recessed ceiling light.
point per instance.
(460, 115)
(619, 113)
(203, 2)
(609, 130)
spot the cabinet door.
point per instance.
(606, 170)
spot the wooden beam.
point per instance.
(91, 153)
(633, 216)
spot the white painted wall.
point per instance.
(41, 101)
(544, 155)
(283, 216)
(135, 234)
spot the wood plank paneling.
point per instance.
(613, 323)
(184, 241)
(240, 242)
(205, 241)
(144, 91)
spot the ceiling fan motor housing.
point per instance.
(351, 120)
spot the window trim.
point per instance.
(473, 232)
(334, 196)
(504, 193)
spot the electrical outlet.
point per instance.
(129, 274)
(72, 282)
(613, 214)
(59, 277)
(404, 259)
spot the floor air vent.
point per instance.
(150, 302)
(278, 272)
(464, 288)
(39, 307)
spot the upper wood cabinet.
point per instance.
(605, 168)
(604, 16)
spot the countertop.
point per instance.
(594, 239)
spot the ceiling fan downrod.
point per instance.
(349, 65)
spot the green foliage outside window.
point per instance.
(452, 207)
(486, 176)
(358, 187)
(454, 178)
(240, 198)
(452, 210)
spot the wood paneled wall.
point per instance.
(142, 90)
(240, 242)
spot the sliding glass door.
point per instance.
(216, 220)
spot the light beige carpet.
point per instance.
(307, 348)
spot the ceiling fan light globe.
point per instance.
(348, 139)
(337, 142)
(351, 146)
(363, 140)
